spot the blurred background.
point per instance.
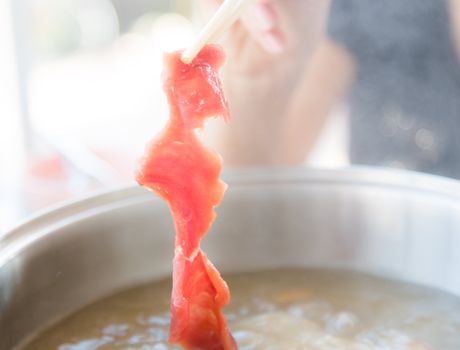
(81, 94)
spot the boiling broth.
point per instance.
(279, 309)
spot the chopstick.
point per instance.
(228, 13)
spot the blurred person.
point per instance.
(404, 98)
(395, 61)
(266, 53)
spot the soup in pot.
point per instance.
(280, 309)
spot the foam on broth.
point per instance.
(281, 309)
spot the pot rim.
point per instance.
(44, 221)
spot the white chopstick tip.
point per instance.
(187, 57)
(226, 15)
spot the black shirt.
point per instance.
(405, 102)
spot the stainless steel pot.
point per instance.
(398, 224)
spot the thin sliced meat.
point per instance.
(183, 172)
